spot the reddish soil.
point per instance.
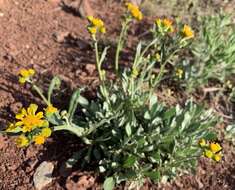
(54, 41)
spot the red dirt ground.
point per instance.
(53, 41)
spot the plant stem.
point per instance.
(120, 44)
(39, 91)
(98, 66)
(66, 127)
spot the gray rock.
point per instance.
(43, 175)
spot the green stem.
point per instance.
(66, 127)
(39, 91)
(120, 44)
(162, 68)
(98, 66)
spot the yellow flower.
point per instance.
(50, 110)
(29, 119)
(158, 22)
(158, 57)
(134, 11)
(22, 141)
(96, 25)
(165, 25)
(95, 21)
(98, 22)
(168, 24)
(25, 74)
(11, 127)
(217, 157)
(187, 31)
(46, 132)
(208, 154)
(92, 30)
(134, 73)
(179, 73)
(103, 30)
(202, 142)
(215, 147)
(39, 139)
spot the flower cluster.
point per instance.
(32, 125)
(96, 25)
(164, 25)
(211, 150)
(25, 75)
(134, 11)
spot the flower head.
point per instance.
(202, 142)
(46, 132)
(215, 147)
(179, 73)
(22, 141)
(165, 25)
(11, 127)
(39, 139)
(29, 119)
(187, 32)
(25, 75)
(50, 110)
(217, 157)
(96, 25)
(208, 154)
(134, 11)
(134, 73)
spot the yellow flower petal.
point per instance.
(22, 80)
(217, 157)
(187, 31)
(134, 11)
(179, 73)
(32, 109)
(92, 30)
(19, 123)
(39, 139)
(98, 22)
(46, 132)
(11, 127)
(208, 154)
(50, 110)
(202, 142)
(22, 141)
(103, 30)
(39, 115)
(90, 18)
(31, 72)
(24, 73)
(215, 147)
(27, 128)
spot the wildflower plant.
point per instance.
(126, 131)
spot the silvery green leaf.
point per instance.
(109, 183)
(128, 129)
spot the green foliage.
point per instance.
(145, 139)
(213, 52)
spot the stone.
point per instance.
(43, 175)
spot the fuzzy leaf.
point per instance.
(109, 183)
